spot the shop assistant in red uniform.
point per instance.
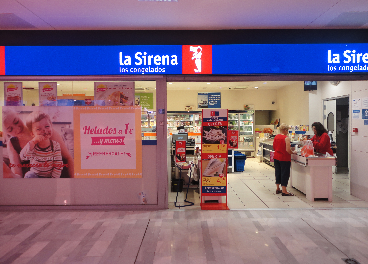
(321, 140)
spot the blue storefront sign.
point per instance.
(185, 59)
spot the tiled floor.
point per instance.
(254, 188)
(261, 228)
(267, 236)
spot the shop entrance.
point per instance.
(273, 102)
(252, 110)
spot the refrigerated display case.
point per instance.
(148, 125)
(243, 121)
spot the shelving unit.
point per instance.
(190, 120)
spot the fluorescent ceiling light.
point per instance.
(158, 0)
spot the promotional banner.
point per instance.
(49, 151)
(13, 93)
(114, 93)
(180, 151)
(214, 151)
(209, 100)
(47, 93)
(233, 139)
(144, 99)
(109, 142)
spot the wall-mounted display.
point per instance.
(209, 100)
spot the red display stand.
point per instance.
(214, 159)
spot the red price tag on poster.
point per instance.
(232, 139)
(180, 151)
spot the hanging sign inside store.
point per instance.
(209, 100)
(349, 58)
(114, 93)
(214, 153)
(144, 99)
(47, 93)
(180, 151)
(109, 142)
(13, 93)
(232, 139)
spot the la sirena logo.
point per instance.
(197, 59)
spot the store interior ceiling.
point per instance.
(87, 87)
(182, 14)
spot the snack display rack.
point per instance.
(191, 121)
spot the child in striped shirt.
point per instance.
(44, 154)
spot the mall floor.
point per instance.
(254, 188)
(260, 228)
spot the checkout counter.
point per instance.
(312, 175)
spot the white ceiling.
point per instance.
(182, 14)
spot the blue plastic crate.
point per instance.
(239, 164)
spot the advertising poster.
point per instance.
(13, 94)
(114, 93)
(233, 138)
(180, 151)
(144, 99)
(209, 100)
(48, 130)
(364, 113)
(214, 151)
(109, 142)
(214, 100)
(47, 93)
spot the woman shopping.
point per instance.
(321, 140)
(282, 160)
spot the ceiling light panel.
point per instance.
(158, 0)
